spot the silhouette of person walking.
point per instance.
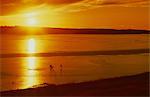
(61, 68)
(51, 67)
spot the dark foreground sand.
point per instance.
(136, 85)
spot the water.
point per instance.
(25, 72)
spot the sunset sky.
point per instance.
(116, 14)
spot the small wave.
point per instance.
(78, 53)
(37, 69)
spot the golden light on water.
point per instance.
(31, 62)
(31, 46)
(31, 80)
(31, 76)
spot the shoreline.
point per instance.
(135, 85)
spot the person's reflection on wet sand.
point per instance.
(61, 69)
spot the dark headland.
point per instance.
(135, 85)
(40, 30)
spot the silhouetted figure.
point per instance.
(61, 69)
(13, 82)
(61, 66)
(51, 67)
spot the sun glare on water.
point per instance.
(31, 74)
(31, 46)
(31, 63)
(31, 50)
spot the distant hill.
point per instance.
(38, 30)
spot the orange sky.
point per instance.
(117, 14)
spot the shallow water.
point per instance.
(25, 72)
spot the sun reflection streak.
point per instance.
(31, 74)
(31, 78)
(31, 46)
(31, 62)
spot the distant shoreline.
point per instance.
(79, 53)
(134, 85)
(39, 30)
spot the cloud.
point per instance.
(90, 4)
(13, 6)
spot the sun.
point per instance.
(31, 22)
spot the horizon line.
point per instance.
(80, 28)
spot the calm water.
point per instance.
(25, 72)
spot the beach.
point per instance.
(74, 48)
(135, 85)
(74, 64)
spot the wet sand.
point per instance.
(135, 85)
